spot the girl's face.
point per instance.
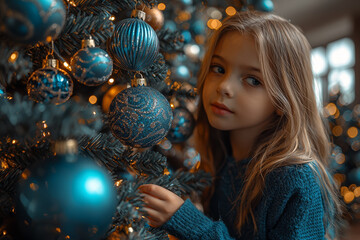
(234, 95)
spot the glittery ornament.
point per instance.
(134, 44)
(182, 125)
(154, 17)
(50, 84)
(69, 192)
(91, 65)
(28, 22)
(140, 116)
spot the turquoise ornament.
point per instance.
(50, 84)
(134, 44)
(30, 21)
(182, 125)
(140, 116)
(91, 65)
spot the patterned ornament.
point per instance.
(134, 44)
(28, 22)
(140, 116)
(91, 65)
(182, 125)
(50, 84)
(69, 192)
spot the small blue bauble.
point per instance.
(264, 5)
(50, 85)
(182, 125)
(31, 21)
(181, 73)
(134, 44)
(140, 116)
(187, 36)
(69, 192)
(91, 66)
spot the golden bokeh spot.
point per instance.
(337, 131)
(13, 57)
(331, 108)
(118, 183)
(349, 197)
(112, 18)
(34, 186)
(340, 158)
(49, 39)
(357, 192)
(25, 174)
(352, 132)
(161, 6)
(111, 81)
(343, 190)
(337, 114)
(58, 229)
(166, 171)
(184, 16)
(339, 178)
(92, 99)
(67, 237)
(230, 10)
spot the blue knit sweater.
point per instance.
(291, 208)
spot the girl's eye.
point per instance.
(252, 81)
(217, 69)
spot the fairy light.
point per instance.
(349, 197)
(92, 99)
(13, 141)
(58, 230)
(67, 65)
(118, 183)
(337, 130)
(111, 81)
(352, 132)
(112, 18)
(161, 6)
(13, 57)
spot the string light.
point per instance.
(67, 65)
(230, 10)
(161, 6)
(92, 99)
(111, 81)
(112, 18)
(13, 57)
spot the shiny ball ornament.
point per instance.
(50, 85)
(186, 35)
(28, 22)
(264, 5)
(68, 192)
(180, 73)
(134, 44)
(140, 116)
(91, 65)
(182, 125)
(154, 17)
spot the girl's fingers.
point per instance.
(153, 223)
(156, 191)
(153, 214)
(153, 202)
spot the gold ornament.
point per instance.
(154, 17)
(110, 95)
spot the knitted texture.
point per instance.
(291, 208)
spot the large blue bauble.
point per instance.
(182, 125)
(91, 66)
(140, 116)
(50, 85)
(30, 21)
(68, 192)
(134, 44)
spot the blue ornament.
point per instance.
(69, 192)
(140, 116)
(198, 27)
(50, 85)
(182, 125)
(171, 25)
(264, 5)
(181, 73)
(187, 36)
(91, 66)
(134, 44)
(28, 22)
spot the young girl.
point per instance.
(261, 136)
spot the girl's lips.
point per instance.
(220, 109)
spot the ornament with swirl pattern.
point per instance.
(30, 21)
(140, 116)
(134, 44)
(50, 84)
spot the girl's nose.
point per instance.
(225, 87)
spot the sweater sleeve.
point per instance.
(298, 206)
(189, 223)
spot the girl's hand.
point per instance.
(160, 203)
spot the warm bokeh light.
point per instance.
(214, 24)
(337, 131)
(13, 57)
(343, 190)
(340, 158)
(67, 65)
(357, 192)
(111, 81)
(34, 186)
(112, 18)
(92, 99)
(230, 10)
(58, 229)
(161, 6)
(331, 108)
(352, 132)
(349, 197)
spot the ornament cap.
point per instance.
(90, 42)
(51, 62)
(138, 81)
(136, 13)
(69, 146)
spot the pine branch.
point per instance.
(149, 163)
(192, 182)
(170, 42)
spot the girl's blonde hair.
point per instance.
(296, 136)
